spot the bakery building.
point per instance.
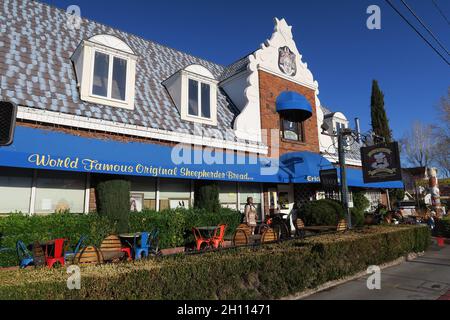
(94, 101)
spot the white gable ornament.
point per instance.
(279, 56)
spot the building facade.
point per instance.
(95, 102)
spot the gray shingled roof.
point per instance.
(36, 70)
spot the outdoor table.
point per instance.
(207, 232)
(128, 238)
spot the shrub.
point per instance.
(442, 228)
(360, 205)
(241, 273)
(113, 202)
(207, 196)
(322, 212)
(174, 227)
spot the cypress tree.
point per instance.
(380, 122)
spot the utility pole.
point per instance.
(343, 174)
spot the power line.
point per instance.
(440, 11)
(417, 31)
(423, 25)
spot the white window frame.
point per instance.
(199, 98)
(84, 61)
(186, 76)
(110, 75)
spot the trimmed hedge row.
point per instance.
(174, 227)
(267, 272)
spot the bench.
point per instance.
(268, 236)
(88, 255)
(111, 248)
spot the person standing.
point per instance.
(250, 214)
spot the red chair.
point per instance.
(219, 234)
(199, 239)
(127, 250)
(58, 253)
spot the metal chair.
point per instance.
(70, 255)
(25, 257)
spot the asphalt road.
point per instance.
(425, 278)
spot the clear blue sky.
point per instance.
(342, 53)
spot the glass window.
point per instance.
(119, 79)
(292, 130)
(228, 195)
(247, 190)
(15, 190)
(144, 190)
(174, 193)
(101, 70)
(193, 97)
(206, 105)
(59, 191)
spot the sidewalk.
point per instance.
(425, 278)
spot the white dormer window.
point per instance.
(194, 92)
(339, 126)
(106, 70)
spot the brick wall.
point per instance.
(270, 88)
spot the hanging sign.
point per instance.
(381, 163)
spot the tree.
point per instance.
(417, 145)
(206, 196)
(442, 137)
(380, 122)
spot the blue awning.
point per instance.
(293, 106)
(303, 167)
(355, 179)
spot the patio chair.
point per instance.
(25, 257)
(299, 228)
(58, 253)
(269, 236)
(219, 234)
(240, 238)
(342, 226)
(200, 240)
(88, 255)
(111, 248)
(141, 248)
(69, 256)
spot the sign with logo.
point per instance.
(329, 179)
(286, 61)
(381, 163)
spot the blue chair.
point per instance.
(25, 257)
(70, 255)
(141, 249)
(149, 244)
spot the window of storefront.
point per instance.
(253, 190)
(174, 193)
(143, 193)
(15, 190)
(292, 130)
(228, 195)
(59, 192)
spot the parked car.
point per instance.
(408, 208)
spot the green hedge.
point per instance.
(174, 227)
(322, 212)
(267, 272)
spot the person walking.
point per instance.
(250, 214)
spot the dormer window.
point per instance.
(199, 99)
(339, 126)
(105, 68)
(194, 92)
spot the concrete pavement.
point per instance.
(425, 278)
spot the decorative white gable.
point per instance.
(279, 56)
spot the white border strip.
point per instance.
(75, 121)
